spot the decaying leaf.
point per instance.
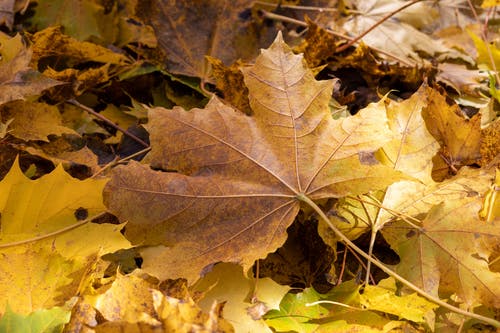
(80, 19)
(33, 121)
(239, 178)
(187, 31)
(229, 81)
(17, 79)
(490, 144)
(134, 302)
(51, 42)
(70, 153)
(458, 135)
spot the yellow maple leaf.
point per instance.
(47, 243)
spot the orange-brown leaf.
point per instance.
(239, 177)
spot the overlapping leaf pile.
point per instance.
(261, 198)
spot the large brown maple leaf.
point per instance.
(239, 180)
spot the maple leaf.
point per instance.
(43, 264)
(410, 152)
(240, 178)
(447, 253)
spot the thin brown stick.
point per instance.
(116, 162)
(296, 7)
(389, 271)
(485, 39)
(382, 20)
(276, 17)
(342, 268)
(107, 121)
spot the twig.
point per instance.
(341, 273)
(311, 8)
(273, 16)
(112, 163)
(107, 121)
(382, 20)
(485, 40)
(51, 234)
(389, 271)
(372, 240)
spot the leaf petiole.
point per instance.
(304, 198)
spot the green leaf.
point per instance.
(41, 321)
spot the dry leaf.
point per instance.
(240, 177)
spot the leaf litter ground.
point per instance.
(218, 185)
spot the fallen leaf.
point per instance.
(51, 42)
(458, 135)
(293, 315)
(35, 278)
(399, 36)
(129, 298)
(7, 13)
(339, 310)
(227, 283)
(446, 253)
(17, 79)
(4, 128)
(383, 297)
(42, 254)
(490, 143)
(239, 178)
(463, 80)
(318, 45)
(33, 121)
(413, 147)
(229, 81)
(41, 321)
(410, 152)
(81, 122)
(491, 203)
(133, 301)
(484, 50)
(80, 19)
(490, 3)
(188, 31)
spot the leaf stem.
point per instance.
(382, 20)
(277, 17)
(304, 198)
(116, 162)
(51, 234)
